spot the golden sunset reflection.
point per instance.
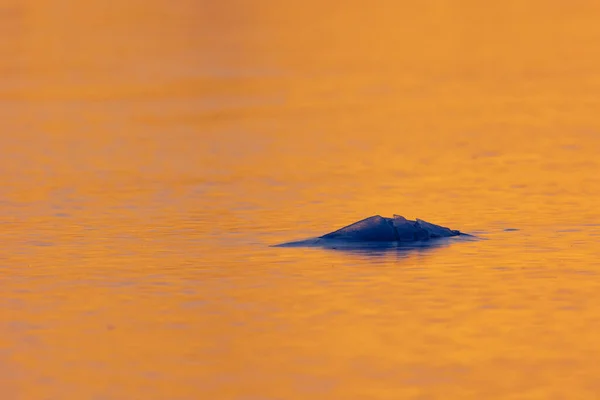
(152, 152)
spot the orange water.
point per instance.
(152, 150)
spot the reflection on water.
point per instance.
(375, 249)
(152, 152)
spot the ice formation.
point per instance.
(383, 229)
(396, 229)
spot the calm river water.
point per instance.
(152, 151)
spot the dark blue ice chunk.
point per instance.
(381, 229)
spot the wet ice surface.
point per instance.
(381, 232)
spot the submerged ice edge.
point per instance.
(336, 243)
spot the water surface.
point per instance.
(153, 151)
